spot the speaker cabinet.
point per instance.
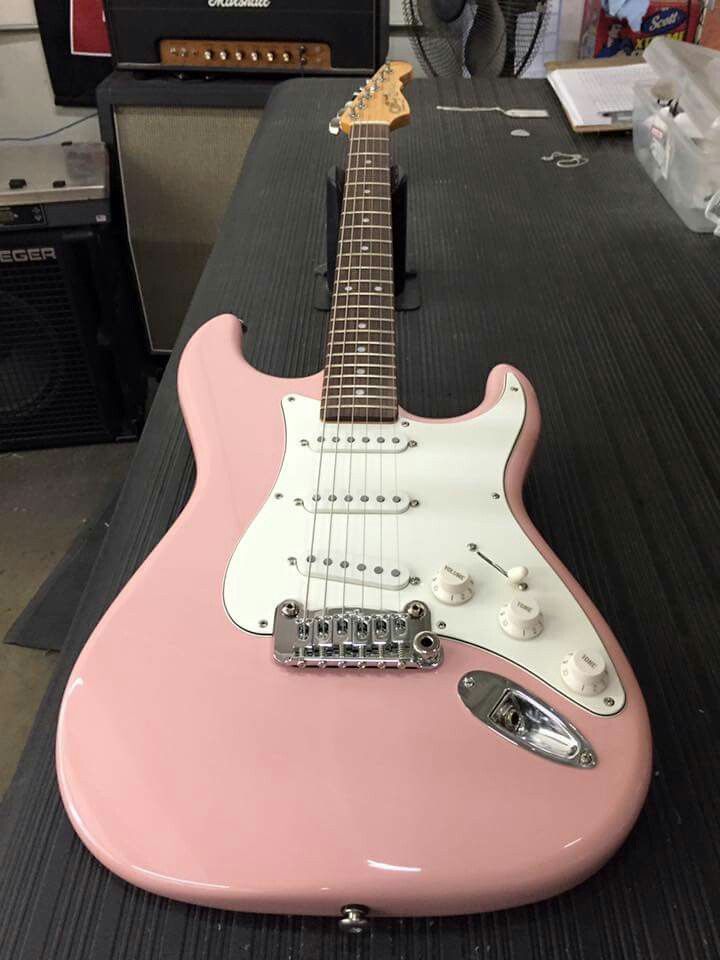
(178, 147)
(60, 376)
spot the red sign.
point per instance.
(88, 29)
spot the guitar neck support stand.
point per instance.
(407, 289)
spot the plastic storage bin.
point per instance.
(676, 129)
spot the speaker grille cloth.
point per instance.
(47, 390)
(179, 166)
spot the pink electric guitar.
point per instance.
(353, 678)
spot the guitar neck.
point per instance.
(360, 381)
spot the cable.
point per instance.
(42, 136)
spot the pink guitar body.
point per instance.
(195, 766)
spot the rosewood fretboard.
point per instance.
(360, 375)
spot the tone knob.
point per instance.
(585, 671)
(452, 585)
(521, 618)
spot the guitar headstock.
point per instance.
(380, 101)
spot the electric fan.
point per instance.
(492, 38)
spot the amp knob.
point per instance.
(452, 585)
(521, 618)
(585, 672)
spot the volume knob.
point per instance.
(585, 671)
(452, 585)
(521, 618)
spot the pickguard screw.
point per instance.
(514, 389)
(412, 443)
(472, 547)
(495, 496)
(278, 496)
(263, 623)
(609, 701)
(414, 581)
(291, 399)
(521, 586)
(304, 443)
(292, 561)
(414, 503)
(288, 609)
(404, 423)
(468, 681)
(586, 758)
(298, 502)
(441, 624)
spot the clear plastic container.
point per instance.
(676, 128)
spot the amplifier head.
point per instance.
(270, 36)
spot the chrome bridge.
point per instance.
(353, 637)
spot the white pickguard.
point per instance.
(454, 471)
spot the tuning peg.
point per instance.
(334, 126)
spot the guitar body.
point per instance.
(196, 766)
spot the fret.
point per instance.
(374, 353)
(376, 366)
(369, 343)
(388, 256)
(359, 405)
(351, 389)
(354, 375)
(357, 266)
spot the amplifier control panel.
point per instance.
(246, 54)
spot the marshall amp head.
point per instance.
(272, 36)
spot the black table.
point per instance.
(587, 281)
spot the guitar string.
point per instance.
(323, 406)
(341, 288)
(351, 454)
(357, 294)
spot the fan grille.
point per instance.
(491, 38)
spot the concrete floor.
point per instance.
(46, 497)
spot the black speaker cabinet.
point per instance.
(64, 378)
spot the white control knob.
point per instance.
(452, 585)
(585, 671)
(521, 618)
(517, 574)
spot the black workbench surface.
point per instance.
(587, 281)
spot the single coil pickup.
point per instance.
(342, 502)
(359, 438)
(360, 571)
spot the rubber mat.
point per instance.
(586, 280)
